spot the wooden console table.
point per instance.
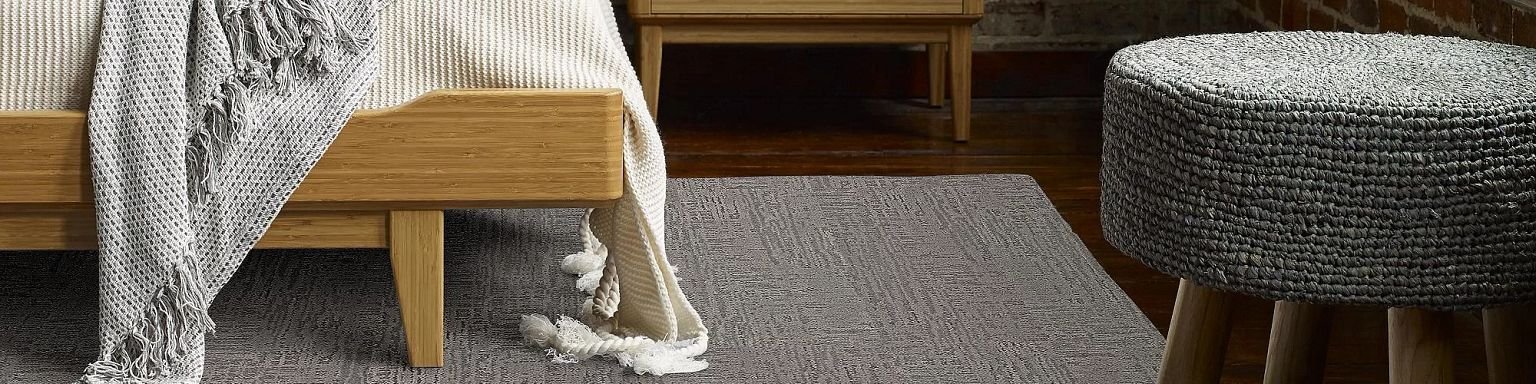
(944, 25)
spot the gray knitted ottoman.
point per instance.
(1329, 168)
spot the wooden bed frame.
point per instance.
(384, 183)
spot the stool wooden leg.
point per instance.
(937, 58)
(960, 79)
(416, 252)
(1510, 335)
(1197, 337)
(1298, 343)
(650, 65)
(1419, 346)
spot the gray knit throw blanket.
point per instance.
(204, 118)
(207, 114)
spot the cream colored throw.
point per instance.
(422, 45)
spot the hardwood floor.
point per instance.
(1055, 140)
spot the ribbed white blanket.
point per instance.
(47, 48)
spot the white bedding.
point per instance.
(46, 62)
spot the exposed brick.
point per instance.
(1425, 4)
(1097, 24)
(1295, 16)
(1494, 19)
(1337, 5)
(1524, 28)
(1364, 12)
(1013, 18)
(1456, 11)
(1321, 21)
(1393, 17)
(1099, 17)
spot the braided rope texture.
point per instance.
(1327, 167)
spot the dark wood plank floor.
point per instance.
(1055, 140)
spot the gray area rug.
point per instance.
(802, 280)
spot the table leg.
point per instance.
(650, 65)
(960, 79)
(937, 63)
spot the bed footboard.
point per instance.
(383, 184)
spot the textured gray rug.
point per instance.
(802, 280)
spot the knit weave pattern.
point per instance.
(426, 45)
(1327, 167)
(417, 46)
(204, 118)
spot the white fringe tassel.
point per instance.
(570, 341)
(589, 265)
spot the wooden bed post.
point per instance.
(416, 253)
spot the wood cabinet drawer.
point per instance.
(801, 7)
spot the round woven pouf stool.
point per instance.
(1317, 169)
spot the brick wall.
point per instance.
(1084, 24)
(1054, 25)
(1506, 21)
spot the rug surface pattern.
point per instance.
(954, 279)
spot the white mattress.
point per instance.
(48, 48)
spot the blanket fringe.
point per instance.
(166, 346)
(599, 276)
(271, 43)
(571, 341)
(588, 264)
(224, 117)
(271, 39)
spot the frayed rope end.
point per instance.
(584, 262)
(569, 341)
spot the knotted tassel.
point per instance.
(570, 341)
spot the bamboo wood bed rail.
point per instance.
(384, 183)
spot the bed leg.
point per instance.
(416, 252)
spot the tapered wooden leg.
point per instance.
(1510, 335)
(1419, 346)
(650, 65)
(937, 58)
(1197, 337)
(960, 79)
(416, 252)
(1298, 343)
